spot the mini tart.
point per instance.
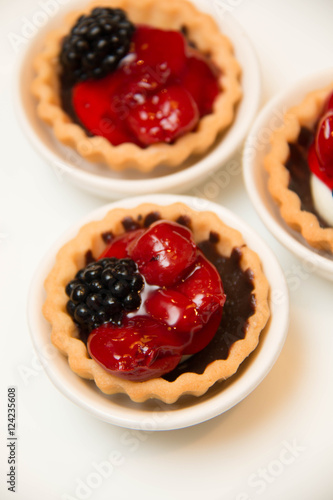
(164, 14)
(72, 257)
(305, 114)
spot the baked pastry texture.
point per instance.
(305, 114)
(89, 241)
(201, 29)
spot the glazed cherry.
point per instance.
(203, 286)
(324, 144)
(100, 110)
(174, 309)
(194, 305)
(163, 117)
(196, 65)
(317, 169)
(163, 253)
(140, 349)
(162, 51)
(202, 338)
(119, 245)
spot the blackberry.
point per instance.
(102, 291)
(96, 44)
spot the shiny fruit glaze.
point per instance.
(159, 91)
(181, 309)
(164, 116)
(119, 245)
(320, 156)
(163, 253)
(325, 174)
(142, 348)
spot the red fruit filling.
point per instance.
(323, 173)
(181, 309)
(119, 245)
(205, 79)
(140, 349)
(163, 253)
(203, 287)
(320, 156)
(174, 309)
(159, 91)
(163, 51)
(164, 116)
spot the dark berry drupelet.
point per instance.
(96, 44)
(102, 291)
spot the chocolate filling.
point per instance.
(107, 237)
(239, 305)
(300, 173)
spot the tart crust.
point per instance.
(304, 114)
(71, 258)
(164, 14)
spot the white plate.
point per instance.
(255, 176)
(154, 415)
(99, 179)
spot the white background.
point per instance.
(278, 442)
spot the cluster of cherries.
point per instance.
(181, 304)
(158, 92)
(320, 156)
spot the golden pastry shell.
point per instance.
(71, 257)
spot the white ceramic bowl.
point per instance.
(99, 179)
(255, 177)
(154, 415)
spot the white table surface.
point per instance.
(278, 442)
